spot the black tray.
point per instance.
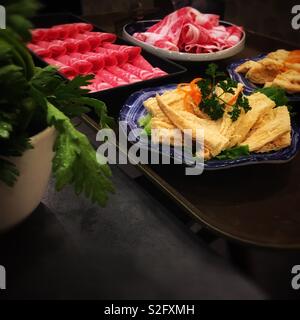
(254, 205)
(173, 70)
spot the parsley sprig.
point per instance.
(212, 103)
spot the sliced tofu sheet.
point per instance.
(264, 128)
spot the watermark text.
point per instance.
(2, 278)
(296, 279)
(296, 18)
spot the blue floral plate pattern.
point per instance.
(249, 87)
(133, 110)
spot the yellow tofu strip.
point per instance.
(260, 104)
(213, 140)
(152, 106)
(165, 132)
(281, 142)
(174, 99)
(270, 131)
(289, 80)
(227, 126)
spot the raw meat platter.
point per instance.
(187, 35)
(75, 47)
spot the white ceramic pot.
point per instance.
(35, 166)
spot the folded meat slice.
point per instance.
(260, 104)
(157, 40)
(234, 36)
(38, 34)
(42, 52)
(121, 57)
(140, 73)
(121, 73)
(131, 51)
(140, 62)
(270, 131)
(213, 140)
(105, 76)
(194, 34)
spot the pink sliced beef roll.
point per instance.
(42, 52)
(81, 66)
(68, 71)
(75, 50)
(57, 47)
(121, 57)
(99, 86)
(109, 60)
(140, 73)
(38, 35)
(130, 50)
(71, 45)
(106, 76)
(141, 63)
(123, 74)
(96, 60)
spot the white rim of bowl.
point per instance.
(183, 56)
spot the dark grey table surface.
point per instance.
(133, 249)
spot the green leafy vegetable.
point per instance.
(5, 129)
(213, 104)
(15, 146)
(8, 172)
(234, 153)
(147, 129)
(18, 12)
(241, 102)
(145, 122)
(19, 54)
(32, 99)
(100, 109)
(278, 95)
(212, 72)
(75, 161)
(20, 25)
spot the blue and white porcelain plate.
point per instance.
(133, 110)
(249, 87)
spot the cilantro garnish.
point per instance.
(234, 153)
(276, 94)
(213, 104)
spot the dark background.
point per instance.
(270, 17)
(76, 241)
